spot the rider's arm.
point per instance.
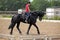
(29, 9)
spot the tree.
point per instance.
(12, 5)
(57, 3)
(39, 5)
(54, 3)
(43, 4)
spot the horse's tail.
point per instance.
(12, 19)
(10, 26)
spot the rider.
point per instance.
(27, 10)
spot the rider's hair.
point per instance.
(28, 3)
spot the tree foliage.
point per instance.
(12, 5)
(39, 5)
(43, 4)
(55, 3)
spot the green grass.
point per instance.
(53, 18)
(7, 16)
(45, 17)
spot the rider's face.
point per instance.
(29, 4)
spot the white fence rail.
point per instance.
(33, 37)
(8, 12)
(5, 36)
(54, 37)
(11, 13)
(30, 37)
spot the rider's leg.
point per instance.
(27, 15)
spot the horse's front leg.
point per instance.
(37, 28)
(18, 27)
(29, 28)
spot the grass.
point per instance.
(55, 18)
(7, 16)
(45, 17)
(52, 18)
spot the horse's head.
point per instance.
(41, 14)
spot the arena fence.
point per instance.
(30, 37)
(33, 37)
(24, 37)
(5, 36)
(54, 37)
(8, 12)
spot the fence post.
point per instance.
(50, 38)
(10, 37)
(33, 37)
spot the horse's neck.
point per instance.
(36, 16)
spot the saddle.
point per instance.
(25, 16)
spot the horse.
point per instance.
(32, 19)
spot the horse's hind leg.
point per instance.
(12, 26)
(36, 28)
(18, 27)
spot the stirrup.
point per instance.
(25, 20)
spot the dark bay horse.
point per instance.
(16, 19)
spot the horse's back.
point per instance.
(15, 18)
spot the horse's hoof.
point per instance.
(39, 33)
(27, 33)
(20, 33)
(9, 28)
(10, 33)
